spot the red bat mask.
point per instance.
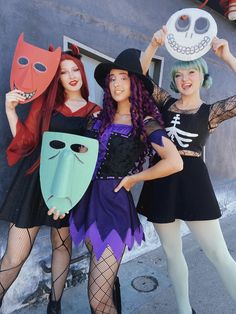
(33, 68)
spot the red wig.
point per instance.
(54, 96)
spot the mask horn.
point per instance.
(203, 4)
(75, 50)
(51, 48)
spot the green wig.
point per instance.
(198, 64)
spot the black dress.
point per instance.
(24, 205)
(186, 195)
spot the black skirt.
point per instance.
(186, 195)
(24, 205)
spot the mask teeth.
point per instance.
(187, 50)
(27, 95)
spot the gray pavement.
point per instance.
(207, 293)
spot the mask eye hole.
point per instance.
(78, 148)
(57, 144)
(202, 25)
(40, 67)
(23, 61)
(183, 23)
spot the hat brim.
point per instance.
(103, 69)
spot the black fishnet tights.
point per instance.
(19, 245)
(61, 256)
(102, 275)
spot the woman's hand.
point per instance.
(159, 37)
(127, 183)
(158, 40)
(13, 98)
(221, 48)
(56, 213)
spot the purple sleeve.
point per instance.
(156, 137)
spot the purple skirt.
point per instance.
(106, 218)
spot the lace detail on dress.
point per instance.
(220, 111)
(189, 153)
(160, 96)
(151, 125)
(175, 108)
(122, 156)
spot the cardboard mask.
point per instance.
(67, 164)
(33, 68)
(190, 33)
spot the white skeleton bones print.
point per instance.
(182, 137)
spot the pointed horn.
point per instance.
(75, 50)
(51, 48)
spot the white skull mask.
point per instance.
(190, 33)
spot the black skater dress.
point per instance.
(24, 205)
(187, 195)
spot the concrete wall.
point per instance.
(108, 26)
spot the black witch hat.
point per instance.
(128, 60)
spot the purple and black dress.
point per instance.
(104, 217)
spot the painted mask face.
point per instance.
(33, 68)
(190, 33)
(67, 164)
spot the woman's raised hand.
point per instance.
(220, 47)
(159, 37)
(13, 98)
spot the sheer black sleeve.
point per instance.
(160, 95)
(154, 131)
(222, 110)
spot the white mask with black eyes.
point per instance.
(190, 33)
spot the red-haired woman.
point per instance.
(64, 107)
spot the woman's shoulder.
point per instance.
(92, 107)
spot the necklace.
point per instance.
(124, 115)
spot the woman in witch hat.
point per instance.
(128, 128)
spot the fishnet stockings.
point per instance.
(19, 245)
(102, 275)
(61, 256)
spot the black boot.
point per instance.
(117, 296)
(54, 307)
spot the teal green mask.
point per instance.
(67, 164)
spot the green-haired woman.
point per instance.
(188, 195)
